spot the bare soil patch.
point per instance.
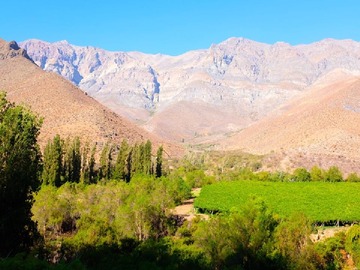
(324, 233)
(186, 209)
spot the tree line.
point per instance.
(74, 162)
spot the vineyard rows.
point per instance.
(319, 201)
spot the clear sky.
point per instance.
(176, 26)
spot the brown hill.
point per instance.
(321, 127)
(65, 108)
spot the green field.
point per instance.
(319, 201)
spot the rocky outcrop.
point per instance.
(10, 50)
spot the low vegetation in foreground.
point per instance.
(66, 209)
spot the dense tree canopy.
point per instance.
(19, 169)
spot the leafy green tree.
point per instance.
(214, 239)
(137, 158)
(353, 177)
(105, 171)
(294, 244)
(253, 231)
(331, 252)
(73, 161)
(242, 240)
(197, 178)
(265, 176)
(97, 207)
(45, 212)
(129, 164)
(76, 160)
(352, 243)
(91, 164)
(159, 162)
(121, 161)
(53, 162)
(146, 159)
(54, 210)
(301, 175)
(87, 168)
(175, 187)
(85, 160)
(279, 176)
(333, 175)
(19, 167)
(317, 174)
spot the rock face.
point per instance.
(200, 95)
(10, 50)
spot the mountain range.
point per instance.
(298, 104)
(200, 94)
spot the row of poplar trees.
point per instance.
(70, 161)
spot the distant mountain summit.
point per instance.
(200, 95)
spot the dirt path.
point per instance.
(325, 233)
(186, 209)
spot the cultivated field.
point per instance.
(319, 201)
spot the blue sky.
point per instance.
(176, 26)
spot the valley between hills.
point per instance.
(265, 135)
(295, 105)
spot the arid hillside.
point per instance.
(320, 127)
(66, 109)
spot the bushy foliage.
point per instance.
(332, 251)
(255, 238)
(353, 177)
(301, 175)
(294, 245)
(333, 175)
(352, 243)
(106, 213)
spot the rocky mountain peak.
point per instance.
(11, 49)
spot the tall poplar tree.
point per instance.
(106, 169)
(159, 161)
(146, 162)
(72, 161)
(84, 172)
(121, 160)
(92, 173)
(52, 162)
